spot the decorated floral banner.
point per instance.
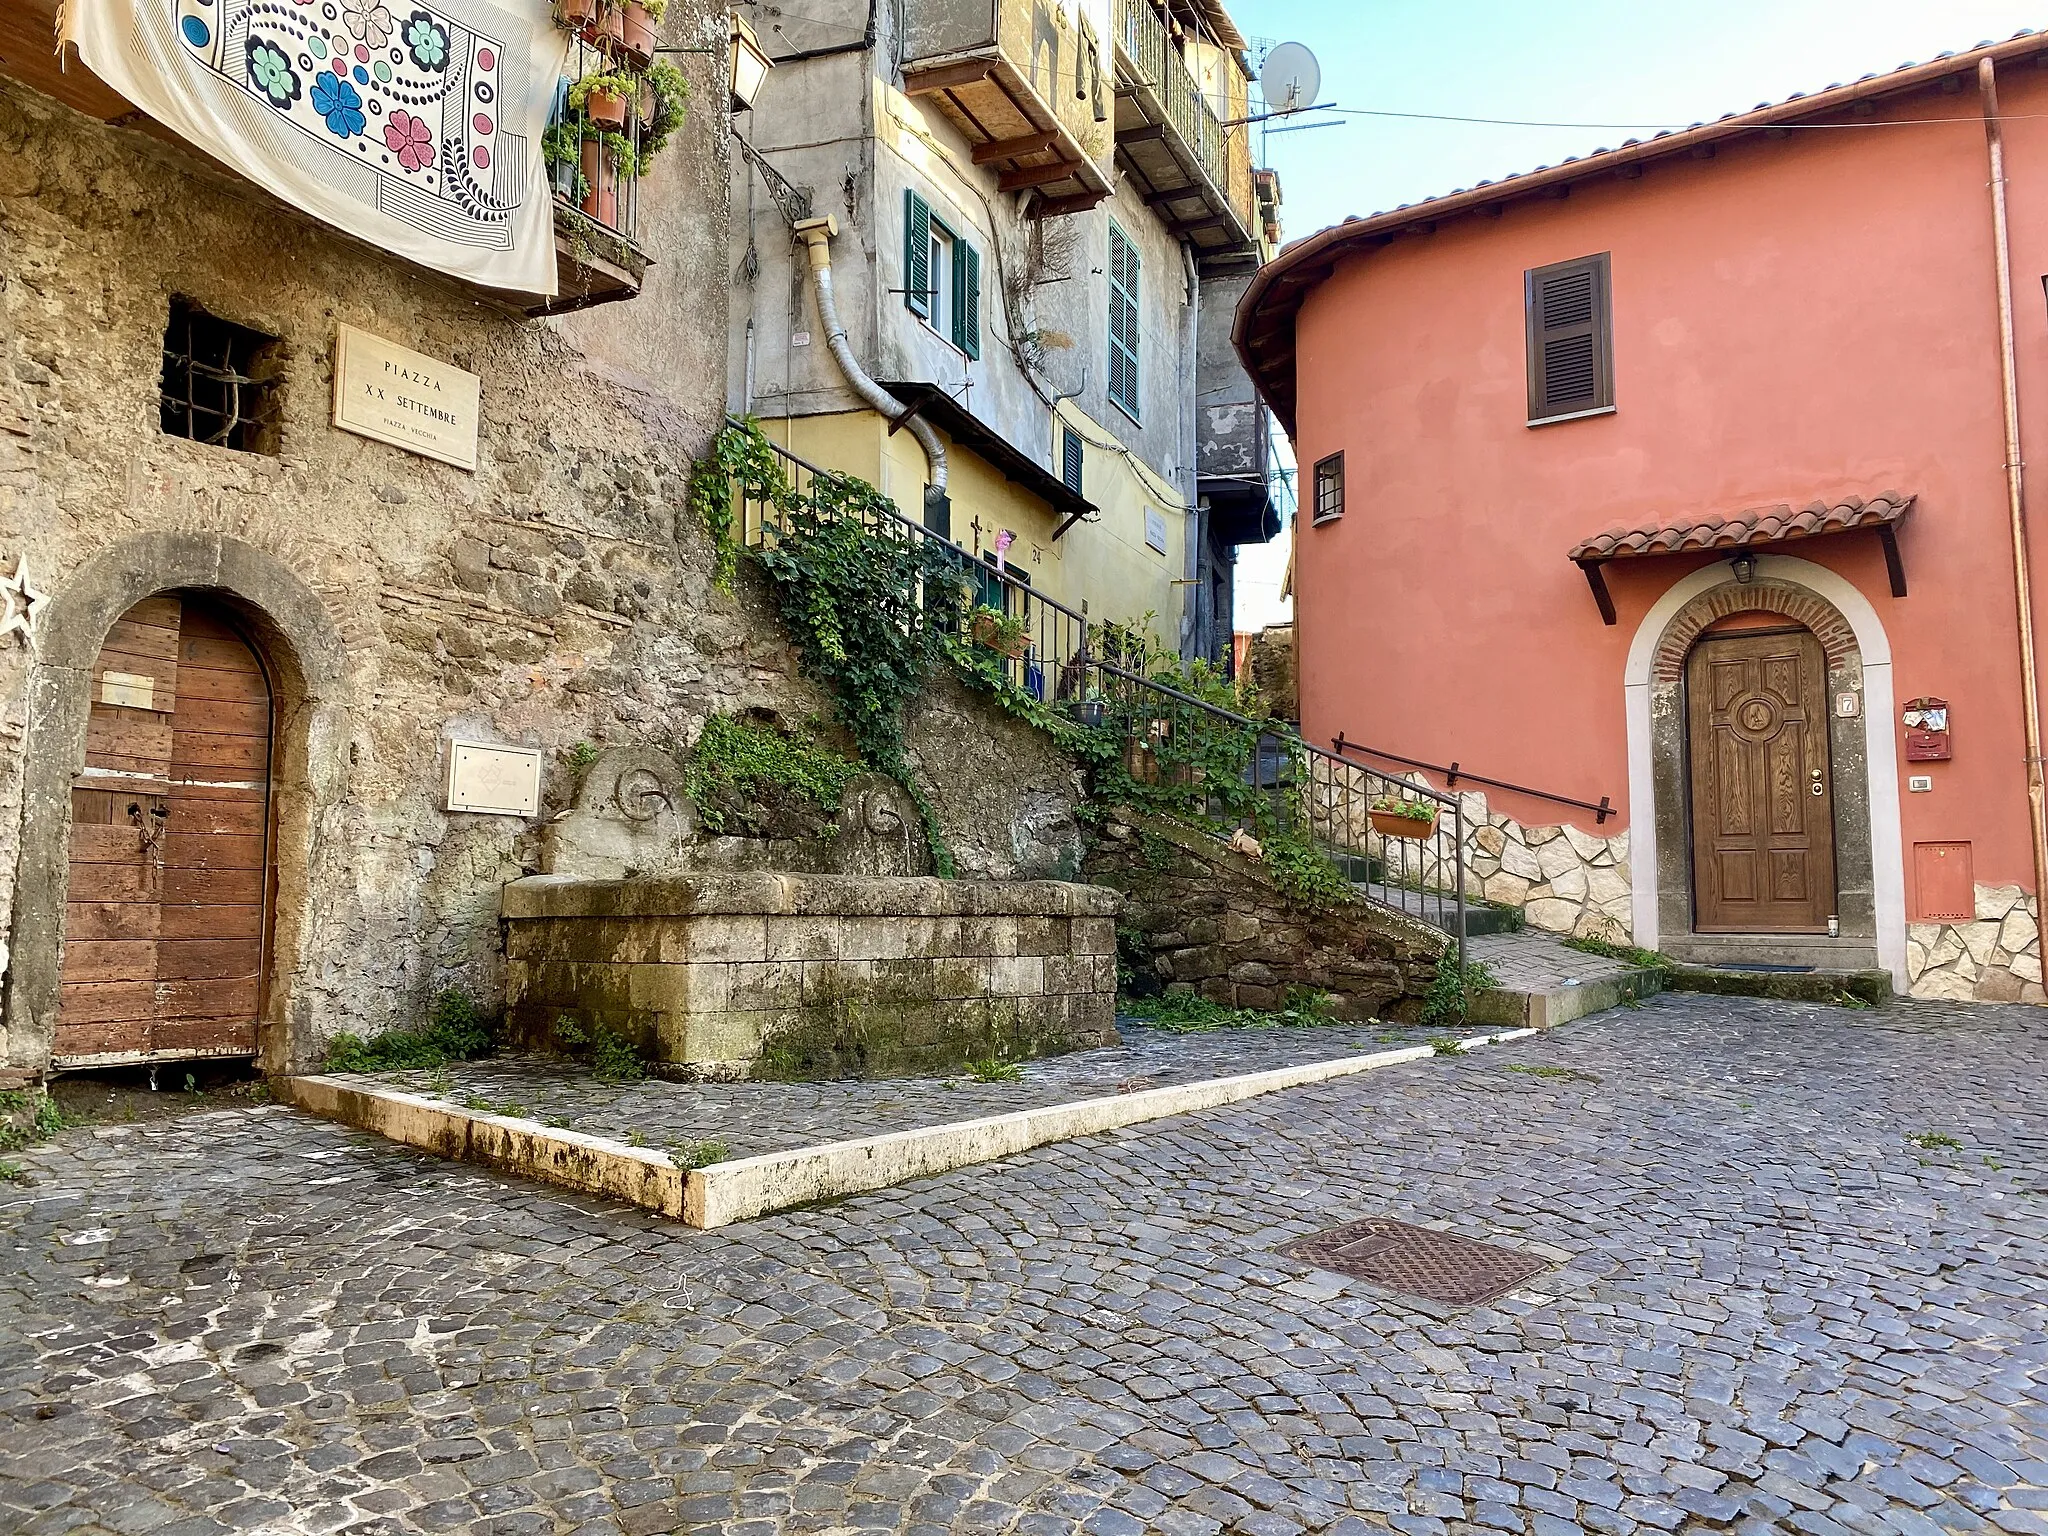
(413, 126)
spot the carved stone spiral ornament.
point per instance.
(640, 795)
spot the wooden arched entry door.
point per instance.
(1763, 799)
(167, 916)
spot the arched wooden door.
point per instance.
(167, 916)
(1763, 831)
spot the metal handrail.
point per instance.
(1424, 879)
(1452, 773)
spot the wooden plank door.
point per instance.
(1763, 833)
(166, 921)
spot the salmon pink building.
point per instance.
(1678, 496)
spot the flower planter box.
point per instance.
(988, 631)
(1394, 824)
(637, 28)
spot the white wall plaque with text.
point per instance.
(493, 780)
(404, 398)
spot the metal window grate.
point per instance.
(219, 381)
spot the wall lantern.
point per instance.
(750, 65)
(1744, 566)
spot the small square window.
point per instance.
(220, 381)
(1329, 502)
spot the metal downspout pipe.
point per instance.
(2015, 483)
(816, 235)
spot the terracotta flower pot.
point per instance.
(1395, 824)
(637, 29)
(601, 202)
(605, 110)
(577, 15)
(988, 631)
(610, 27)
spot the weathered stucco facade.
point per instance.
(559, 594)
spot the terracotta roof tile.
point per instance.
(1760, 525)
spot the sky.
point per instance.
(1634, 62)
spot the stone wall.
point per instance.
(1202, 918)
(559, 594)
(1995, 958)
(1564, 880)
(814, 976)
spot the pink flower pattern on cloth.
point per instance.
(367, 21)
(410, 139)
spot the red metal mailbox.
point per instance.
(1927, 739)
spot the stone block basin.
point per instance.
(805, 977)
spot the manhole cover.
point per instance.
(1435, 1266)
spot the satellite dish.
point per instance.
(1290, 77)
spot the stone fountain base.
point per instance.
(794, 976)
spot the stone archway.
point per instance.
(287, 620)
(1870, 859)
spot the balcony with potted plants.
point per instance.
(618, 106)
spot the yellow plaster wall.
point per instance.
(1104, 562)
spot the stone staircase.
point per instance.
(1542, 983)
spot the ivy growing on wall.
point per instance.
(875, 609)
(872, 606)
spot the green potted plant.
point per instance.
(603, 98)
(1006, 634)
(1091, 710)
(638, 20)
(562, 148)
(1401, 816)
(671, 93)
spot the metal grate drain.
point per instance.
(1435, 1266)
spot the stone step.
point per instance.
(1872, 988)
(1543, 984)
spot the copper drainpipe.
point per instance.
(2030, 697)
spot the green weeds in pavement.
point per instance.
(697, 1154)
(1185, 1013)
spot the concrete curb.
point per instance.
(775, 1181)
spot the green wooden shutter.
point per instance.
(917, 255)
(966, 298)
(1070, 459)
(1123, 320)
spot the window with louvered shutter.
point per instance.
(1070, 459)
(1570, 315)
(1123, 322)
(917, 255)
(966, 297)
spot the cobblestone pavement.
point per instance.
(1772, 1310)
(752, 1118)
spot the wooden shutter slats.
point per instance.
(1568, 315)
(966, 298)
(1124, 277)
(917, 255)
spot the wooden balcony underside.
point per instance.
(1011, 128)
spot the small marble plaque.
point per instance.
(493, 780)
